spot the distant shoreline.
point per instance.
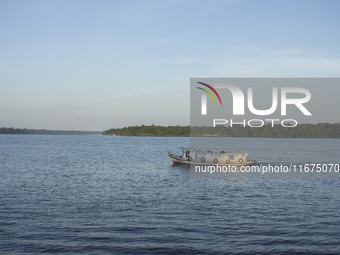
(321, 130)
(24, 131)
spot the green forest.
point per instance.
(24, 131)
(150, 131)
(321, 130)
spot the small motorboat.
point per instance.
(201, 157)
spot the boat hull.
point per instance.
(179, 160)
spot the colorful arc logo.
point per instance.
(213, 90)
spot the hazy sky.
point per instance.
(95, 65)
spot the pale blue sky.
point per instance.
(95, 65)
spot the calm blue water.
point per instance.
(122, 195)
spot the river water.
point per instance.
(122, 195)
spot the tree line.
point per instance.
(5, 130)
(150, 131)
(321, 130)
